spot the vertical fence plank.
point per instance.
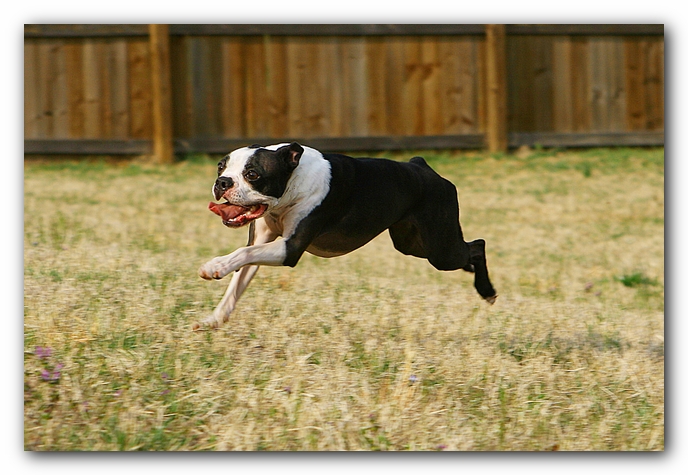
(468, 83)
(314, 90)
(655, 84)
(562, 100)
(199, 64)
(59, 91)
(332, 56)
(495, 70)
(635, 97)
(599, 100)
(411, 97)
(179, 78)
(92, 91)
(138, 63)
(542, 84)
(256, 114)
(448, 113)
(45, 103)
(431, 68)
(277, 96)
(615, 84)
(119, 92)
(106, 85)
(354, 89)
(213, 96)
(233, 88)
(481, 86)
(296, 70)
(519, 85)
(377, 93)
(30, 90)
(580, 85)
(75, 88)
(161, 92)
(394, 84)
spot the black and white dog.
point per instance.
(330, 205)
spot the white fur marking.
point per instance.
(306, 189)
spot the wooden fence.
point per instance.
(142, 89)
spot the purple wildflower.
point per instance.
(441, 447)
(43, 352)
(117, 393)
(165, 376)
(413, 378)
(45, 374)
(50, 377)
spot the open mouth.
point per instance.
(235, 216)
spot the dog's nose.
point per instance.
(222, 184)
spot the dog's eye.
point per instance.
(252, 175)
(221, 166)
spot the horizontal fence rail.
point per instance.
(164, 89)
(86, 31)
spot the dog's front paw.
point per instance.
(214, 269)
(210, 323)
(204, 325)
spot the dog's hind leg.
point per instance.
(258, 234)
(478, 265)
(435, 233)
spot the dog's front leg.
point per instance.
(236, 287)
(262, 235)
(270, 254)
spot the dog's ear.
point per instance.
(291, 154)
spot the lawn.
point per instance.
(370, 351)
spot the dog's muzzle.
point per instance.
(233, 215)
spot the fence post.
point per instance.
(495, 57)
(163, 148)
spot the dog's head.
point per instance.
(252, 179)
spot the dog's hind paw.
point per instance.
(491, 300)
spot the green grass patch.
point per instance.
(636, 279)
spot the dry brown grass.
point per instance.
(370, 351)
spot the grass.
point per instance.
(370, 351)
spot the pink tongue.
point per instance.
(225, 210)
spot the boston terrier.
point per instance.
(329, 205)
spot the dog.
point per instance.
(329, 205)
